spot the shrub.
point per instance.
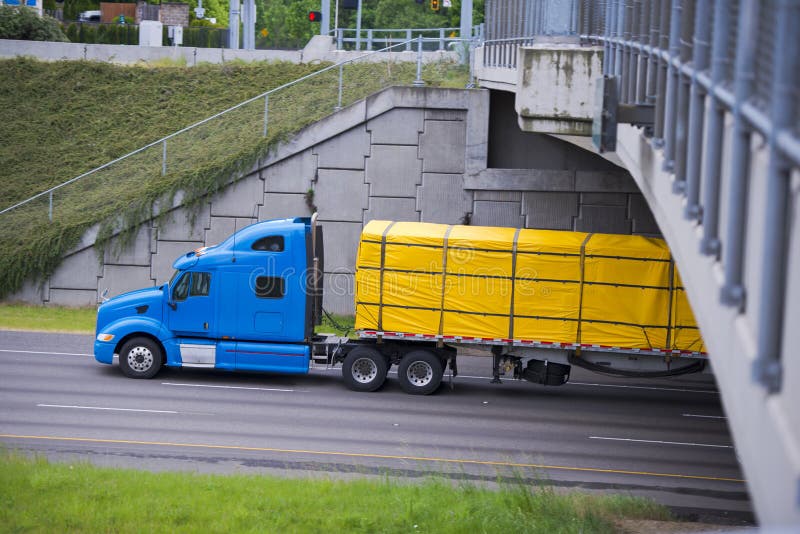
(23, 23)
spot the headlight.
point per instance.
(105, 337)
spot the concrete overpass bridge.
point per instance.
(699, 101)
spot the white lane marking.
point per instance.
(224, 387)
(704, 416)
(685, 390)
(47, 353)
(664, 442)
(103, 408)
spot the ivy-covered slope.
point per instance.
(64, 118)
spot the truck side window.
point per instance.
(272, 243)
(181, 289)
(270, 287)
(201, 283)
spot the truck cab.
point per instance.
(249, 303)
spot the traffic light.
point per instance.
(315, 16)
(435, 5)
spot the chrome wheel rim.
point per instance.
(140, 359)
(364, 370)
(420, 373)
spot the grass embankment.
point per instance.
(54, 497)
(47, 318)
(82, 320)
(75, 116)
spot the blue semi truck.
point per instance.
(251, 304)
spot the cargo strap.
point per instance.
(383, 263)
(513, 284)
(580, 298)
(444, 277)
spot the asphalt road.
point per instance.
(666, 438)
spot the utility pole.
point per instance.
(466, 19)
(325, 25)
(233, 25)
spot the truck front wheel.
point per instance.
(420, 372)
(364, 369)
(140, 357)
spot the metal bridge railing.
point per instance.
(368, 39)
(698, 61)
(514, 23)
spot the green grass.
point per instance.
(47, 318)
(39, 496)
(78, 115)
(82, 320)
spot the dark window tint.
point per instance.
(181, 289)
(272, 243)
(201, 284)
(269, 287)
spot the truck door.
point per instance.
(270, 301)
(191, 310)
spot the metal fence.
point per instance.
(217, 144)
(368, 39)
(699, 61)
(514, 23)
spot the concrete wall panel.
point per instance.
(442, 146)
(283, 205)
(73, 297)
(79, 271)
(339, 292)
(138, 252)
(341, 195)
(393, 171)
(182, 225)
(442, 199)
(123, 278)
(391, 209)
(603, 219)
(341, 243)
(400, 126)
(291, 175)
(345, 151)
(551, 211)
(492, 213)
(241, 199)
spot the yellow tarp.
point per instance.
(535, 285)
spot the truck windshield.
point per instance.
(173, 278)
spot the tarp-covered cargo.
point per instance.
(522, 286)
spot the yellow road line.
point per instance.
(369, 455)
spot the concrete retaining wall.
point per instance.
(318, 49)
(414, 154)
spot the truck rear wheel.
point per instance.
(420, 372)
(140, 357)
(364, 369)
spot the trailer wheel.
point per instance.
(140, 357)
(420, 372)
(364, 369)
